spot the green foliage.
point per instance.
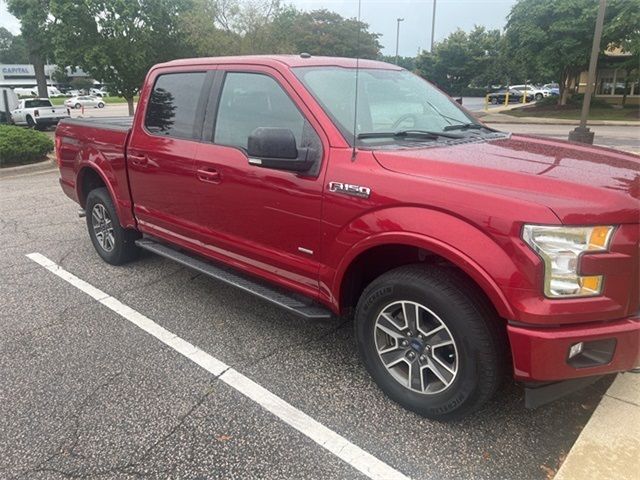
(118, 41)
(465, 59)
(13, 48)
(34, 23)
(408, 63)
(81, 83)
(231, 27)
(553, 38)
(623, 28)
(20, 146)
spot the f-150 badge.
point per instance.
(349, 189)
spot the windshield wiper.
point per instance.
(424, 134)
(464, 126)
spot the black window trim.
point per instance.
(196, 134)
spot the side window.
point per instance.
(252, 100)
(173, 104)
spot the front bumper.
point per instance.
(542, 354)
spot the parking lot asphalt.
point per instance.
(86, 394)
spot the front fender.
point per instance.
(465, 245)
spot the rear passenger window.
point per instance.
(173, 104)
(249, 101)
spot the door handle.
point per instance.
(138, 160)
(210, 175)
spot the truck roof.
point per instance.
(280, 60)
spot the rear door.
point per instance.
(160, 154)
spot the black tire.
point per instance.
(123, 248)
(539, 96)
(77, 106)
(481, 345)
(30, 122)
(100, 105)
(494, 100)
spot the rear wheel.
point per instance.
(77, 106)
(428, 342)
(100, 105)
(494, 100)
(115, 244)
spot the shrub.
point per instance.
(19, 146)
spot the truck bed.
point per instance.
(95, 145)
(105, 123)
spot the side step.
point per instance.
(305, 307)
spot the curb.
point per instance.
(43, 166)
(609, 445)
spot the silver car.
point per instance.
(84, 101)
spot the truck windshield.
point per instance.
(389, 101)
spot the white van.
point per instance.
(12, 103)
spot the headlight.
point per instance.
(560, 248)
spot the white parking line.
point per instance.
(323, 436)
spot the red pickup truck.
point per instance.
(462, 252)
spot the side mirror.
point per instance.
(276, 148)
(459, 100)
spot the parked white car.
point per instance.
(38, 113)
(98, 92)
(538, 92)
(84, 101)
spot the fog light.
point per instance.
(591, 353)
(575, 349)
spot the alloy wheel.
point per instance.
(416, 347)
(103, 227)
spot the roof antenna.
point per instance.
(355, 108)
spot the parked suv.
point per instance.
(462, 252)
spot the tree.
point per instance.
(33, 16)
(12, 48)
(465, 59)
(82, 83)
(408, 63)
(322, 32)
(554, 36)
(118, 41)
(623, 31)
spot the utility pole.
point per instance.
(582, 133)
(398, 37)
(433, 26)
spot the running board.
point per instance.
(303, 306)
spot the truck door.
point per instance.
(266, 219)
(161, 150)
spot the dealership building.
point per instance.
(23, 75)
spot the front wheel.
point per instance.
(101, 105)
(538, 96)
(494, 100)
(77, 106)
(428, 342)
(115, 244)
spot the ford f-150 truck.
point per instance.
(462, 252)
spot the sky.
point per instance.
(381, 15)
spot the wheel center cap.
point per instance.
(416, 345)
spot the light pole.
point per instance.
(433, 26)
(582, 133)
(398, 36)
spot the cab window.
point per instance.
(173, 103)
(249, 101)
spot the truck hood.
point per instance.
(580, 184)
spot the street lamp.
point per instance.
(433, 25)
(582, 133)
(398, 36)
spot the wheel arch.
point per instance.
(407, 248)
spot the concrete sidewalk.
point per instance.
(504, 118)
(608, 447)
